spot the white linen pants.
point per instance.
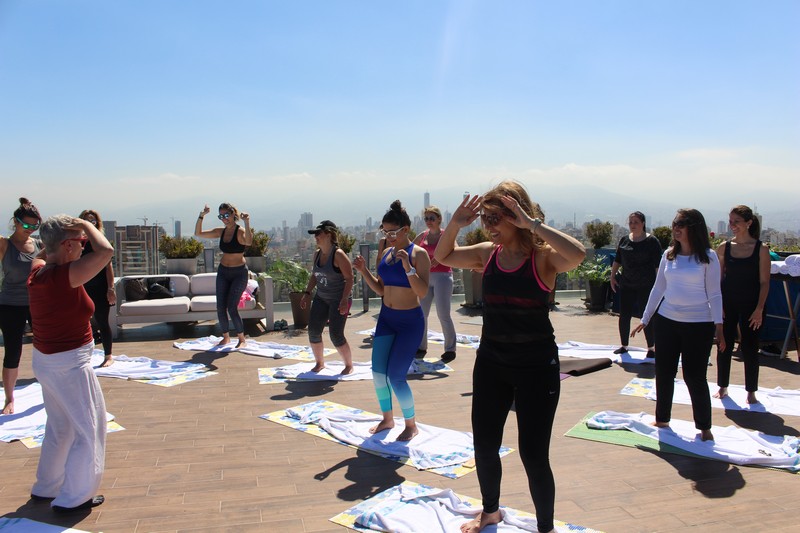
(74, 447)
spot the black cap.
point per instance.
(323, 226)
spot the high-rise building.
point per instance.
(178, 229)
(306, 222)
(135, 248)
(427, 199)
(722, 228)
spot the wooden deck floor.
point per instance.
(196, 457)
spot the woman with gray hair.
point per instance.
(73, 451)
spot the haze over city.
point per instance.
(153, 109)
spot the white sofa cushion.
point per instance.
(164, 306)
(209, 303)
(203, 284)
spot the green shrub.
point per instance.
(259, 246)
(179, 247)
(290, 273)
(599, 233)
(595, 269)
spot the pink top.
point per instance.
(430, 248)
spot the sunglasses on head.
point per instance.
(224, 216)
(81, 240)
(391, 234)
(25, 225)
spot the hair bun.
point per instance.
(24, 201)
(396, 206)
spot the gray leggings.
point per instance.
(440, 288)
(231, 283)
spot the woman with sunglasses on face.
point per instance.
(232, 273)
(101, 290)
(402, 280)
(440, 286)
(16, 253)
(73, 451)
(517, 361)
(686, 305)
(638, 253)
(333, 278)
(744, 263)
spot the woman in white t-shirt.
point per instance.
(688, 291)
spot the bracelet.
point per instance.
(536, 223)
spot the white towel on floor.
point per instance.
(276, 350)
(206, 344)
(433, 447)
(473, 341)
(142, 367)
(777, 401)
(331, 372)
(30, 526)
(432, 511)
(584, 350)
(731, 445)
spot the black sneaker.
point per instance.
(620, 350)
(651, 354)
(448, 356)
(421, 354)
(88, 504)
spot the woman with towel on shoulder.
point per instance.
(232, 273)
(73, 451)
(402, 281)
(101, 290)
(17, 252)
(517, 361)
(745, 266)
(689, 303)
(332, 276)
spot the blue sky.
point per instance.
(153, 108)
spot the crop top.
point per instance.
(430, 248)
(233, 246)
(393, 274)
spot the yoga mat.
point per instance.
(176, 380)
(332, 371)
(582, 350)
(777, 401)
(281, 417)
(206, 344)
(277, 350)
(142, 368)
(579, 367)
(378, 510)
(36, 442)
(31, 526)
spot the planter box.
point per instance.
(256, 264)
(299, 315)
(187, 267)
(473, 288)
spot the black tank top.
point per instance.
(233, 246)
(740, 282)
(515, 306)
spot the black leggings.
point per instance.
(691, 343)
(99, 295)
(739, 315)
(12, 324)
(632, 302)
(231, 283)
(534, 391)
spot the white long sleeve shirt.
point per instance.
(690, 290)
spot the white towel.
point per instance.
(731, 445)
(584, 350)
(437, 337)
(206, 344)
(277, 350)
(331, 372)
(142, 367)
(433, 447)
(24, 525)
(793, 259)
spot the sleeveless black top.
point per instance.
(516, 310)
(233, 246)
(740, 283)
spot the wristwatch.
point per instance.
(411, 272)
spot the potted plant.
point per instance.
(473, 290)
(254, 254)
(599, 233)
(595, 272)
(295, 278)
(346, 242)
(181, 254)
(664, 236)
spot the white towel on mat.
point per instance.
(331, 372)
(584, 350)
(142, 367)
(206, 344)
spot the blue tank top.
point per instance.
(394, 275)
(233, 246)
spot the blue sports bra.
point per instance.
(394, 275)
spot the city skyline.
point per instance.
(150, 110)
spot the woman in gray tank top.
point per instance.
(332, 276)
(16, 254)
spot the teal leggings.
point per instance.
(397, 337)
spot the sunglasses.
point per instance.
(391, 234)
(224, 216)
(25, 225)
(491, 219)
(681, 223)
(431, 218)
(81, 240)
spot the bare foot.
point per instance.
(661, 424)
(408, 434)
(751, 397)
(485, 519)
(8, 409)
(225, 340)
(722, 393)
(318, 367)
(107, 361)
(705, 434)
(383, 426)
(242, 343)
(348, 369)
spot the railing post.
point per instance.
(363, 249)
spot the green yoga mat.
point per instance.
(622, 438)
